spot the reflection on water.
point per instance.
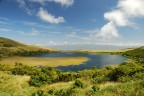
(98, 60)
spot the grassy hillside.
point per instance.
(137, 54)
(4, 42)
(13, 48)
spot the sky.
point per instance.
(73, 22)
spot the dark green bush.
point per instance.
(20, 69)
(95, 88)
(46, 75)
(67, 76)
(100, 79)
(80, 83)
(39, 93)
(125, 69)
(40, 79)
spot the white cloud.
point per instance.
(2, 22)
(121, 16)
(109, 30)
(47, 17)
(22, 4)
(4, 30)
(3, 18)
(33, 32)
(117, 17)
(62, 2)
(74, 35)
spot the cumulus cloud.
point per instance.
(109, 30)
(121, 16)
(47, 17)
(62, 2)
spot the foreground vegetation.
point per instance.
(36, 61)
(126, 79)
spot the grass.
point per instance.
(35, 61)
(12, 85)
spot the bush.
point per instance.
(80, 83)
(20, 69)
(65, 92)
(40, 79)
(138, 76)
(67, 76)
(125, 69)
(100, 79)
(4, 67)
(95, 88)
(46, 75)
(39, 93)
(124, 79)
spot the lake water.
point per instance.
(97, 60)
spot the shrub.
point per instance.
(40, 79)
(124, 79)
(67, 76)
(46, 75)
(20, 69)
(95, 88)
(4, 67)
(39, 93)
(100, 79)
(125, 69)
(80, 83)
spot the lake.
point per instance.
(97, 60)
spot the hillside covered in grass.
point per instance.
(10, 47)
(5, 42)
(137, 54)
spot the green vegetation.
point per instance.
(126, 79)
(4, 42)
(10, 48)
(136, 54)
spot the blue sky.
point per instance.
(73, 22)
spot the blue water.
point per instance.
(97, 60)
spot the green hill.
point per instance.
(10, 47)
(4, 42)
(136, 54)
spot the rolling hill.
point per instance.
(136, 54)
(10, 47)
(4, 42)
